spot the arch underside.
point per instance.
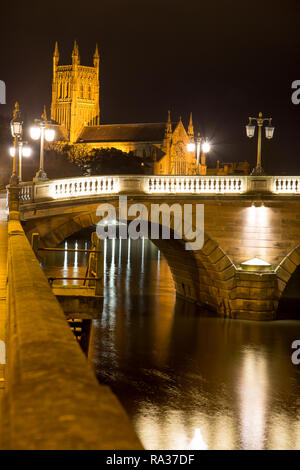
(288, 273)
(207, 276)
(204, 276)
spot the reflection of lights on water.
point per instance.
(197, 443)
(112, 270)
(128, 270)
(158, 430)
(143, 254)
(113, 249)
(112, 265)
(128, 248)
(253, 400)
(283, 433)
(76, 256)
(66, 256)
(104, 259)
(120, 253)
(158, 271)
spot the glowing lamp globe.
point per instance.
(35, 133)
(26, 151)
(12, 151)
(16, 128)
(206, 147)
(49, 135)
(269, 132)
(250, 130)
(16, 124)
(190, 147)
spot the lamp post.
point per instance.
(16, 126)
(24, 151)
(201, 144)
(40, 131)
(250, 130)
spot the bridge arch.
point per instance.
(235, 230)
(204, 276)
(288, 274)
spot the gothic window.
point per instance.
(81, 90)
(179, 160)
(89, 92)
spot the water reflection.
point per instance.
(189, 381)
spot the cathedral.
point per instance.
(75, 108)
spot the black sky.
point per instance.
(223, 60)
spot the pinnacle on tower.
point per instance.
(191, 127)
(96, 58)
(75, 53)
(75, 49)
(55, 59)
(169, 124)
(56, 52)
(44, 115)
(96, 54)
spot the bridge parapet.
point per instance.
(158, 185)
(53, 400)
(286, 184)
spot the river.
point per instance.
(187, 381)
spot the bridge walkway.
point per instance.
(3, 284)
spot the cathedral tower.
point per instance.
(75, 93)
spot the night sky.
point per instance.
(222, 60)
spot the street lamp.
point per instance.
(201, 144)
(40, 131)
(16, 127)
(250, 130)
(24, 151)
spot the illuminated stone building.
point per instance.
(75, 107)
(75, 94)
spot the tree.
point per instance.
(103, 161)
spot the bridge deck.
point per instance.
(3, 280)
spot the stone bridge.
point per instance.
(246, 217)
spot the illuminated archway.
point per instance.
(204, 276)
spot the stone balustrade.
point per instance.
(81, 187)
(286, 184)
